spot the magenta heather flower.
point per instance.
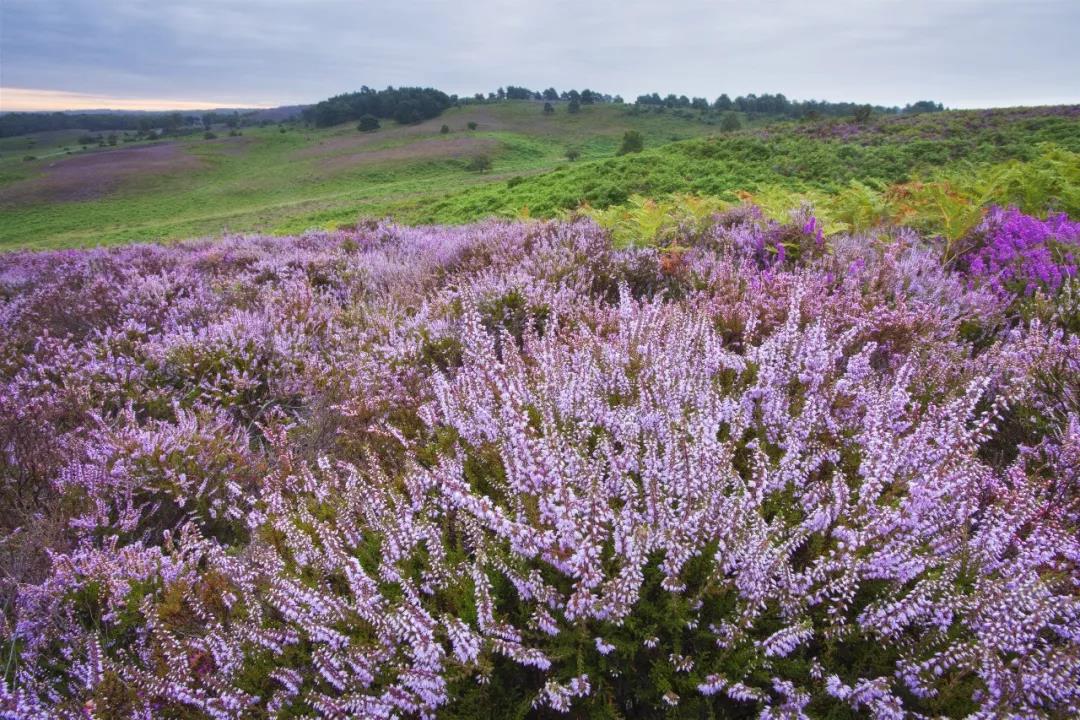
(1021, 253)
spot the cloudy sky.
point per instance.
(198, 53)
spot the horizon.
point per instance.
(135, 55)
(34, 100)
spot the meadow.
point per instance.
(302, 178)
(273, 181)
(775, 423)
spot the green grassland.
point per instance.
(274, 181)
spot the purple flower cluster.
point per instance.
(1018, 253)
(378, 473)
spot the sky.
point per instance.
(149, 54)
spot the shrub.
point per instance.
(209, 135)
(572, 107)
(472, 125)
(1018, 254)
(419, 471)
(632, 142)
(479, 163)
(549, 109)
(368, 123)
(730, 122)
(444, 129)
(572, 154)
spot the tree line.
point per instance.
(779, 105)
(415, 104)
(169, 123)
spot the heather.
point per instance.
(739, 465)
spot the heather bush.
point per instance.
(1016, 253)
(717, 465)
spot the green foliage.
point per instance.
(471, 125)
(368, 123)
(632, 142)
(730, 122)
(282, 181)
(404, 104)
(935, 185)
(479, 163)
(445, 129)
(643, 221)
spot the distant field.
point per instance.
(286, 182)
(272, 181)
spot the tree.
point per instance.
(923, 106)
(862, 113)
(471, 125)
(574, 106)
(572, 154)
(730, 122)
(632, 142)
(368, 123)
(209, 135)
(548, 108)
(113, 139)
(479, 163)
(551, 94)
(404, 104)
(444, 129)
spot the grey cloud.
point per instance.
(961, 52)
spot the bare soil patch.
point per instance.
(94, 175)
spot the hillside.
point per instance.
(291, 178)
(825, 157)
(274, 180)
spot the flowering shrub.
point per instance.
(1018, 253)
(510, 469)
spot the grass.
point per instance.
(286, 182)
